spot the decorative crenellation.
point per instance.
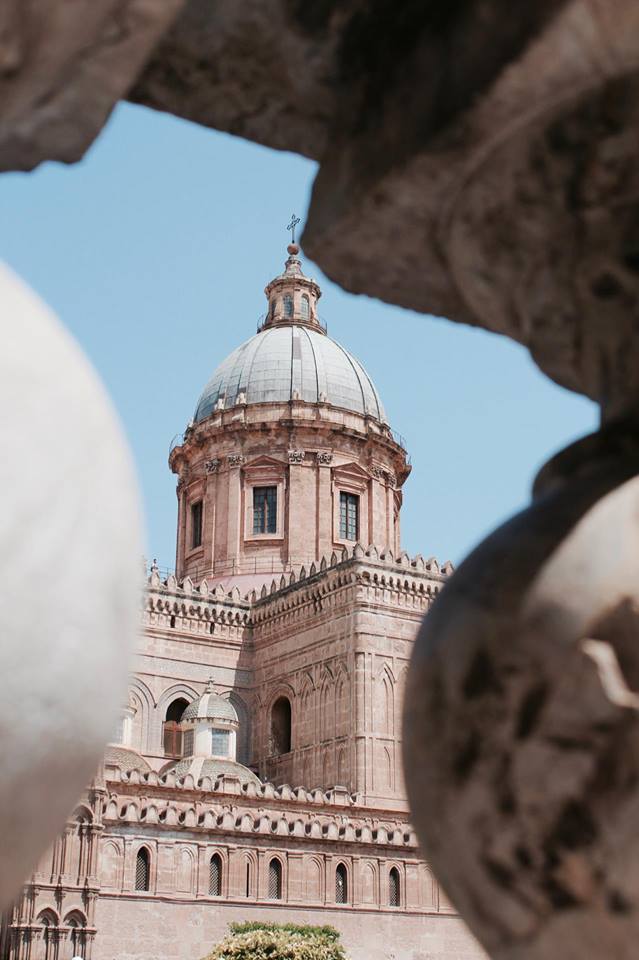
(241, 809)
(201, 609)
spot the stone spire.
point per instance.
(292, 297)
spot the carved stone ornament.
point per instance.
(378, 472)
(296, 456)
(324, 457)
(236, 460)
(212, 465)
(521, 722)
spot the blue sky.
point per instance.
(155, 251)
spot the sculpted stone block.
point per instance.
(64, 66)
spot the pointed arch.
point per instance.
(185, 870)
(394, 888)
(327, 707)
(313, 880)
(275, 879)
(385, 701)
(215, 876)
(142, 869)
(110, 864)
(342, 773)
(243, 739)
(341, 883)
(368, 883)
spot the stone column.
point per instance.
(181, 527)
(234, 512)
(324, 507)
(301, 510)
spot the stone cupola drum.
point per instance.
(289, 456)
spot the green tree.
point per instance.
(274, 941)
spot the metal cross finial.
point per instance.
(294, 222)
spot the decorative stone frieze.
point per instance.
(213, 465)
(236, 460)
(296, 456)
(324, 458)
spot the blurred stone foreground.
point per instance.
(478, 160)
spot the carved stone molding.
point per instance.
(296, 456)
(324, 458)
(212, 466)
(236, 460)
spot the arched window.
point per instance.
(76, 924)
(288, 305)
(305, 307)
(275, 879)
(215, 876)
(248, 877)
(142, 869)
(49, 925)
(341, 884)
(171, 730)
(393, 887)
(281, 726)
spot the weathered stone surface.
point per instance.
(255, 69)
(63, 66)
(522, 726)
(515, 210)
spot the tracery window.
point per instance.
(264, 510)
(142, 869)
(341, 884)
(348, 516)
(215, 875)
(393, 887)
(275, 879)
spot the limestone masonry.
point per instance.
(256, 772)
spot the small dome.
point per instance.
(126, 758)
(213, 767)
(288, 362)
(210, 706)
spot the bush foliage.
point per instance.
(278, 941)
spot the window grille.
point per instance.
(221, 743)
(196, 524)
(215, 876)
(288, 305)
(348, 516)
(275, 880)
(142, 869)
(393, 888)
(187, 743)
(305, 308)
(341, 884)
(264, 510)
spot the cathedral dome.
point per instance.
(291, 357)
(210, 706)
(291, 362)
